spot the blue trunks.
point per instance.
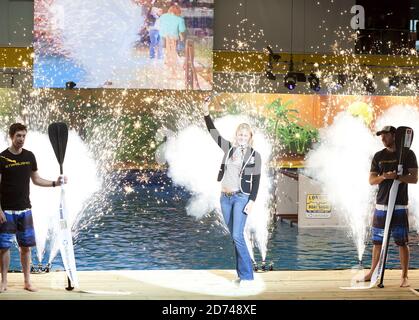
(399, 225)
(20, 224)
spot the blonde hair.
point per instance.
(245, 126)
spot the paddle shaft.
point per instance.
(381, 285)
(69, 286)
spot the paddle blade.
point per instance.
(404, 138)
(58, 135)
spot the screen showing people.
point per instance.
(150, 44)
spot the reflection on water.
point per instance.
(149, 229)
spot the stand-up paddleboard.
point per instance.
(404, 138)
(58, 135)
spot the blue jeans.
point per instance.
(155, 44)
(232, 208)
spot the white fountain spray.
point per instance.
(81, 171)
(341, 163)
(194, 161)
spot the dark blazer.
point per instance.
(251, 166)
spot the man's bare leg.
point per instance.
(25, 259)
(376, 250)
(404, 261)
(4, 261)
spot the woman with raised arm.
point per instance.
(239, 175)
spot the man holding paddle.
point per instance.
(383, 172)
(17, 167)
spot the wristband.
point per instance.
(53, 183)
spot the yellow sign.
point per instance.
(318, 206)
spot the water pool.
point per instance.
(151, 230)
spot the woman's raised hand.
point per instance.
(205, 106)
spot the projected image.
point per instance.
(150, 44)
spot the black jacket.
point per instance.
(251, 166)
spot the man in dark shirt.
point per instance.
(17, 167)
(383, 172)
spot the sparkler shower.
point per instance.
(157, 137)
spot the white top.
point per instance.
(231, 178)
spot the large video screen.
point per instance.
(150, 44)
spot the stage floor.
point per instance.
(206, 284)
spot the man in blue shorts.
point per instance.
(17, 167)
(383, 172)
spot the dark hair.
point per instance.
(175, 9)
(15, 127)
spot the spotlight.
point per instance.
(393, 83)
(369, 85)
(314, 82)
(70, 85)
(290, 81)
(270, 75)
(291, 78)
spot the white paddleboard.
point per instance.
(66, 242)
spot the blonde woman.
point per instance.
(239, 175)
